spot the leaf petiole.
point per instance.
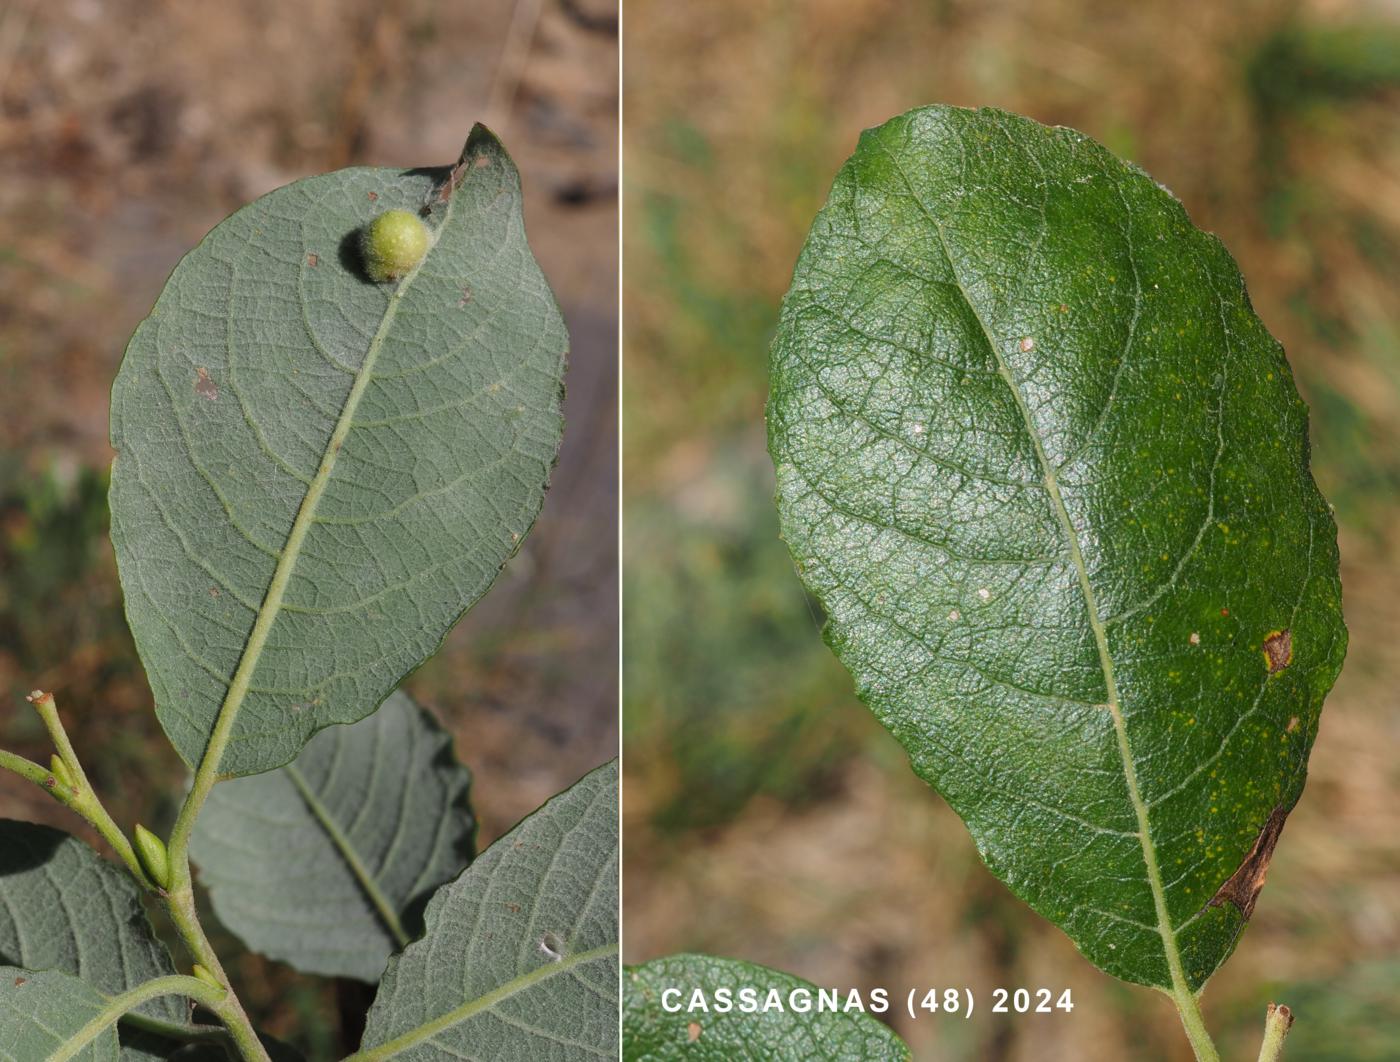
(1192, 1020)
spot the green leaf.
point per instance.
(64, 908)
(655, 1029)
(43, 1012)
(54, 1016)
(317, 474)
(376, 814)
(519, 961)
(1048, 475)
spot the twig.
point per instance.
(179, 901)
(1276, 1025)
(75, 791)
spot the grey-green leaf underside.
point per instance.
(1048, 474)
(519, 960)
(327, 863)
(317, 474)
(651, 1033)
(64, 908)
(41, 1012)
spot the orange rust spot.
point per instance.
(1278, 650)
(1224, 611)
(1292, 725)
(372, 196)
(19, 981)
(204, 386)
(313, 259)
(1243, 887)
(692, 1032)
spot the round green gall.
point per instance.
(393, 244)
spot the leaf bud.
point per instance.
(60, 771)
(155, 860)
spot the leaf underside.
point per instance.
(650, 1033)
(326, 863)
(40, 1012)
(1047, 473)
(317, 474)
(519, 958)
(64, 908)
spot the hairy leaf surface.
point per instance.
(651, 1033)
(41, 1012)
(1048, 474)
(326, 863)
(519, 961)
(317, 474)
(63, 907)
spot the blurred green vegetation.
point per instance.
(694, 682)
(760, 798)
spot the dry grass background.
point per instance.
(767, 816)
(128, 128)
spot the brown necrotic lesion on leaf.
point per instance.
(1244, 885)
(1278, 650)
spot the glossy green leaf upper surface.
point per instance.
(326, 863)
(42, 1012)
(519, 958)
(1047, 473)
(317, 474)
(789, 1026)
(65, 908)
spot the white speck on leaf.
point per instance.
(984, 594)
(1027, 344)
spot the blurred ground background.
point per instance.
(767, 815)
(128, 128)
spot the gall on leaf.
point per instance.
(393, 244)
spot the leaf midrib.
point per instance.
(1052, 488)
(301, 525)
(385, 909)
(472, 1007)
